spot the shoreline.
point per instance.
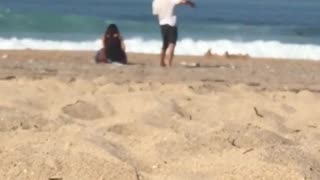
(263, 73)
(89, 53)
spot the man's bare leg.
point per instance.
(162, 58)
(170, 53)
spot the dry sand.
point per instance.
(62, 117)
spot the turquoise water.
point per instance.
(286, 20)
(292, 22)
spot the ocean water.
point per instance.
(273, 28)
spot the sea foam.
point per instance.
(264, 49)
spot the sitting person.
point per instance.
(101, 57)
(113, 47)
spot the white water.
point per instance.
(270, 49)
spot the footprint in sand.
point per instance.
(288, 109)
(12, 119)
(83, 110)
(250, 136)
(127, 129)
(120, 129)
(276, 120)
(120, 152)
(261, 137)
(194, 144)
(165, 112)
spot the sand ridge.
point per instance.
(71, 121)
(171, 132)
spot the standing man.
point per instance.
(165, 10)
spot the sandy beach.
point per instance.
(63, 117)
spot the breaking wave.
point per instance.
(264, 49)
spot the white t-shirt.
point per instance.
(165, 9)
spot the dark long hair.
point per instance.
(111, 32)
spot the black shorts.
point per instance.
(169, 35)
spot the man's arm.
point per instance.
(187, 2)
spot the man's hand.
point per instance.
(188, 2)
(191, 4)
